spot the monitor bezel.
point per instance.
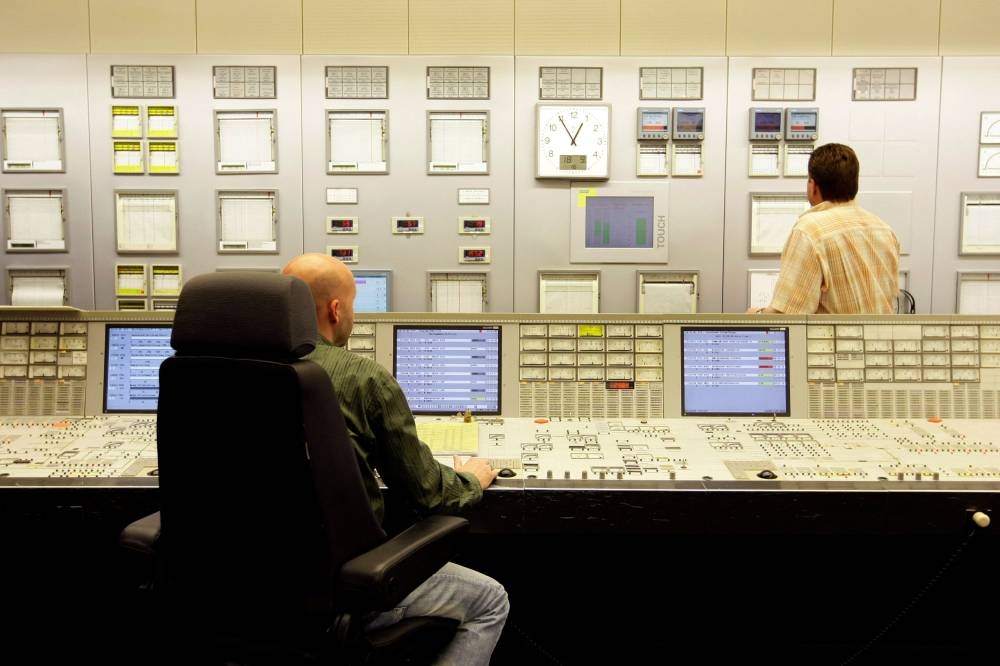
(453, 327)
(387, 274)
(768, 329)
(108, 327)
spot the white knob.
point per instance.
(981, 519)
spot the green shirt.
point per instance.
(385, 437)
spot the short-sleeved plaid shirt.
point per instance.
(841, 259)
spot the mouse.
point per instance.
(767, 474)
(506, 472)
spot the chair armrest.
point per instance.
(142, 535)
(383, 576)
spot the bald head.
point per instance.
(333, 291)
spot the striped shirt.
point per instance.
(840, 259)
(385, 437)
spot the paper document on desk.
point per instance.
(446, 437)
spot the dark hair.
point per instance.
(834, 168)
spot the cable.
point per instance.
(913, 602)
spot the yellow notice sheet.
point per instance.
(446, 437)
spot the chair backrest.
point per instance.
(260, 492)
(905, 303)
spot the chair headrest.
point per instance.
(245, 314)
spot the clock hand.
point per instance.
(572, 138)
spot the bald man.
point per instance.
(385, 439)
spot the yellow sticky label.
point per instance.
(590, 330)
(582, 194)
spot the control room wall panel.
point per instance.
(139, 26)
(56, 82)
(351, 27)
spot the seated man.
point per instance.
(839, 258)
(385, 439)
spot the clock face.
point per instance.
(572, 141)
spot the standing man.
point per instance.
(839, 258)
(385, 439)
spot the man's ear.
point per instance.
(333, 309)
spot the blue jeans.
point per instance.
(477, 601)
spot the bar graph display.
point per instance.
(132, 357)
(734, 371)
(619, 222)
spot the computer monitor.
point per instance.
(448, 369)
(765, 124)
(132, 357)
(734, 371)
(374, 291)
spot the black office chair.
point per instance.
(905, 303)
(266, 546)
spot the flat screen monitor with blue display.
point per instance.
(619, 222)
(734, 371)
(448, 369)
(132, 357)
(374, 291)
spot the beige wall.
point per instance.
(504, 27)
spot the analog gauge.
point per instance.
(44, 341)
(906, 374)
(964, 345)
(989, 360)
(965, 360)
(591, 345)
(623, 345)
(819, 346)
(533, 359)
(534, 344)
(42, 372)
(73, 328)
(991, 331)
(964, 331)
(878, 345)
(14, 342)
(14, 371)
(364, 329)
(562, 374)
(965, 374)
(850, 346)
(850, 374)
(361, 344)
(878, 374)
(936, 360)
(21, 328)
(562, 330)
(850, 331)
(935, 345)
(591, 374)
(620, 374)
(43, 357)
(72, 371)
(820, 374)
(562, 344)
(44, 327)
(937, 375)
(14, 358)
(906, 360)
(562, 358)
(989, 346)
(619, 330)
(534, 330)
(649, 374)
(649, 346)
(648, 360)
(532, 374)
(592, 358)
(72, 342)
(935, 330)
(620, 359)
(906, 345)
(878, 360)
(648, 331)
(819, 360)
(816, 332)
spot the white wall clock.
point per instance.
(572, 141)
